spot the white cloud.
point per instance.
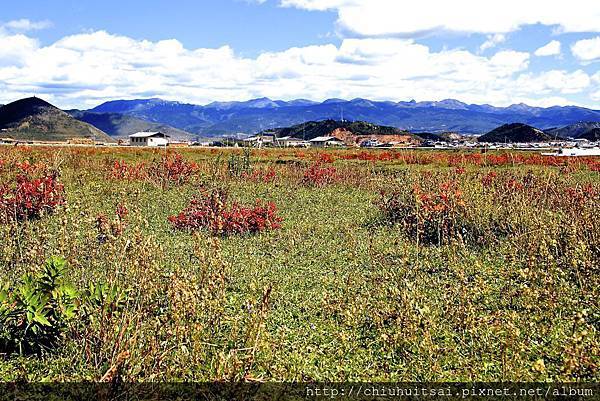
(23, 25)
(14, 49)
(492, 41)
(86, 69)
(550, 49)
(555, 81)
(587, 49)
(393, 17)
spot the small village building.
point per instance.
(326, 141)
(259, 141)
(149, 139)
(371, 143)
(291, 142)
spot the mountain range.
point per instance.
(221, 118)
(35, 119)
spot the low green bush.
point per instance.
(37, 313)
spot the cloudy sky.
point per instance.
(79, 53)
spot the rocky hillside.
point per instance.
(34, 119)
(351, 132)
(515, 133)
(313, 129)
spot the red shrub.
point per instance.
(489, 179)
(173, 169)
(30, 198)
(318, 175)
(512, 185)
(580, 197)
(210, 212)
(120, 170)
(31, 169)
(431, 217)
(462, 159)
(325, 158)
(265, 176)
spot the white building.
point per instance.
(326, 141)
(291, 142)
(148, 139)
(259, 141)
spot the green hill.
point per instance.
(34, 119)
(515, 133)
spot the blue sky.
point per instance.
(246, 26)
(81, 53)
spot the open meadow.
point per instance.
(298, 265)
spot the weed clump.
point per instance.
(30, 197)
(211, 211)
(318, 175)
(431, 217)
(172, 169)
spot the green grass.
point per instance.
(350, 298)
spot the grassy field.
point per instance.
(399, 265)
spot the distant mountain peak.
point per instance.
(521, 107)
(452, 102)
(35, 119)
(333, 100)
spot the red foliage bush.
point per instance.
(120, 170)
(30, 198)
(325, 158)
(210, 212)
(431, 217)
(583, 196)
(30, 169)
(489, 179)
(318, 175)
(474, 159)
(266, 176)
(174, 169)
